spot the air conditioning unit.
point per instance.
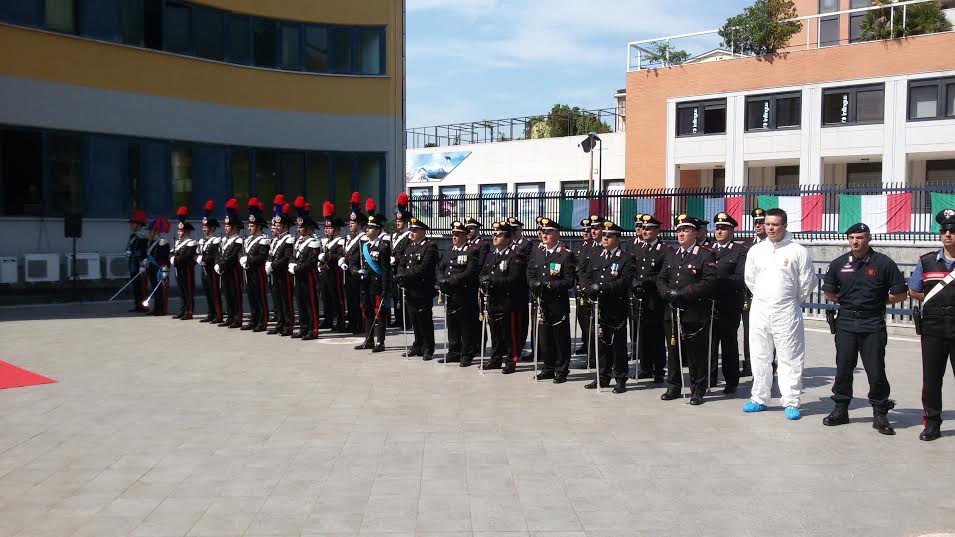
(87, 267)
(8, 270)
(115, 266)
(41, 268)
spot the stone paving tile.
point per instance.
(151, 436)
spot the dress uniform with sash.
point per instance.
(254, 256)
(206, 254)
(332, 277)
(730, 296)
(610, 275)
(648, 307)
(934, 281)
(350, 264)
(304, 267)
(759, 216)
(503, 278)
(688, 283)
(459, 272)
(861, 286)
(136, 247)
(583, 255)
(399, 242)
(281, 250)
(417, 275)
(157, 264)
(375, 273)
(183, 260)
(551, 274)
(227, 265)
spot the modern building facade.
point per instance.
(829, 109)
(109, 105)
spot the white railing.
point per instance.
(641, 50)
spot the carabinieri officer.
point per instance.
(551, 274)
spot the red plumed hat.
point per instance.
(328, 209)
(208, 219)
(182, 213)
(139, 217)
(402, 201)
(370, 206)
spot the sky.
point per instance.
(470, 60)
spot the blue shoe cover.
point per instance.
(792, 413)
(753, 406)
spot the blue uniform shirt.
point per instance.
(915, 280)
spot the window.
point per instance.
(316, 49)
(152, 24)
(29, 12)
(342, 49)
(131, 15)
(828, 26)
(133, 177)
(704, 117)
(100, 19)
(787, 177)
(181, 160)
(21, 173)
(939, 172)
(932, 98)
(317, 187)
(60, 15)
(177, 28)
(240, 176)
(863, 174)
(417, 205)
(266, 175)
(573, 188)
(370, 169)
(369, 52)
(239, 41)
(855, 19)
(263, 42)
(291, 46)
(450, 204)
(767, 112)
(493, 201)
(719, 179)
(210, 33)
(343, 183)
(530, 201)
(65, 164)
(853, 105)
(291, 176)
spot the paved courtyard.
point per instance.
(165, 428)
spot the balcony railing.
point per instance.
(709, 40)
(820, 212)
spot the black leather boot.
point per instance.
(838, 416)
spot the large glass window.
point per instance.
(704, 117)
(240, 176)
(152, 24)
(291, 174)
(950, 99)
(342, 49)
(100, 19)
(369, 52)
(60, 15)
(369, 176)
(65, 163)
(932, 98)
(210, 33)
(29, 12)
(765, 112)
(131, 14)
(855, 19)
(263, 42)
(939, 172)
(853, 105)
(317, 187)
(451, 203)
(787, 177)
(863, 174)
(828, 26)
(343, 182)
(420, 201)
(240, 41)
(493, 202)
(181, 160)
(266, 175)
(133, 177)
(291, 46)
(21, 172)
(316, 49)
(177, 28)
(530, 202)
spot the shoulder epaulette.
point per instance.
(696, 249)
(932, 254)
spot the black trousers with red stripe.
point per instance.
(504, 333)
(140, 286)
(160, 297)
(306, 284)
(186, 279)
(232, 289)
(210, 285)
(333, 296)
(374, 325)
(257, 288)
(283, 287)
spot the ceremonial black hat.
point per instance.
(701, 224)
(472, 222)
(303, 208)
(401, 207)
(328, 211)
(946, 220)
(650, 221)
(256, 217)
(685, 220)
(458, 227)
(758, 214)
(139, 217)
(183, 214)
(546, 224)
(514, 222)
(610, 228)
(858, 228)
(501, 227)
(232, 217)
(280, 211)
(585, 223)
(596, 221)
(414, 223)
(356, 215)
(723, 219)
(376, 220)
(208, 219)
(638, 219)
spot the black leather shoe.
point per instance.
(298, 335)
(247, 327)
(466, 362)
(838, 416)
(670, 395)
(644, 375)
(932, 431)
(621, 387)
(378, 348)
(273, 331)
(492, 364)
(310, 336)
(696, 399)
(560, 379)
(286, 333)
(729, 390)
(186, 317)
(205, 320)
(362, 346)
(546, 376)
(260, 328)
(592, 385)
(509, 368)
(580, 350)
(880, 422)
(177, 316)
(411, 352)
(427, 357)
(527, 357)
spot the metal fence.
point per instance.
(897, 313)
(913, 216)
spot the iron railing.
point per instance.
(914, 224)
(817, 306)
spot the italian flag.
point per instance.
(658, 207)
(883, 213)
(574, 210)
(708, 208)
(940, 202)
(804, 212)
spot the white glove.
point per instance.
(321, 256)
(291, 267)
(142, 263)
(165, 274)
(198, 259)
(268, 267)
(362, 272)
(244, 261)
(128, 253)
(218, 269)
(172, 260)
(142, 269)
(342, 264)
(393, 260)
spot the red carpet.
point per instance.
(12, 376)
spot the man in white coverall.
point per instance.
(781, 277)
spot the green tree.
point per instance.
(562, 120)
(761, 28)
(926, 18)
(664, 53)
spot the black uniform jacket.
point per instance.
(459, 273)
(694, 278)
(556, 271)
(731, 285)
(504, 271)
(649, 258)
